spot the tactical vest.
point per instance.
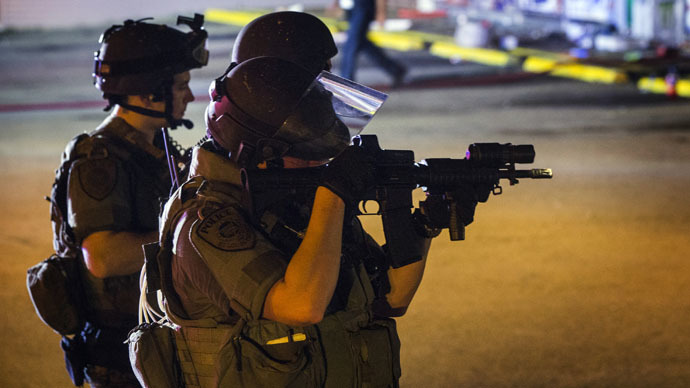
(93, 315)
(112, 302)
(109, 306)
(348, 348)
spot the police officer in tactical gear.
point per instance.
(282, 298)
(119, 174)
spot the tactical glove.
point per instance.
(350, 175)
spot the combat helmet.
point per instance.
(294, 36)
(139, 58)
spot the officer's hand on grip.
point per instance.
(350, 174)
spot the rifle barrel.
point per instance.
(418, 175)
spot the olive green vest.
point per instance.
(348, 348)
(113, 301)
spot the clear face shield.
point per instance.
(330, 113)
(353, 103)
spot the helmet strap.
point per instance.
(143, 111)
(167, 115)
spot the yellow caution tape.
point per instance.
(472, 54)
(652, 85)
(590, 73)
(683, 88)
(539, 64)
(587, 73)
(396, 40)
(658, 85)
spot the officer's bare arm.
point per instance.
(404, 282)
(108, 253)
(300, 298)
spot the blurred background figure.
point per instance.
(360, 14)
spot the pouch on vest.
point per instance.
(153, 355)
(53, 288)
(271, 354)
(379, 353)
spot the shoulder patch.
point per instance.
(98, 177)
(226, 229)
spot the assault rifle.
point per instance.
(445, 181)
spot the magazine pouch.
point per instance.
(53, 286)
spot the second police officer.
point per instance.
(118, 174)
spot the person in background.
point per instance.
(360, 14)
